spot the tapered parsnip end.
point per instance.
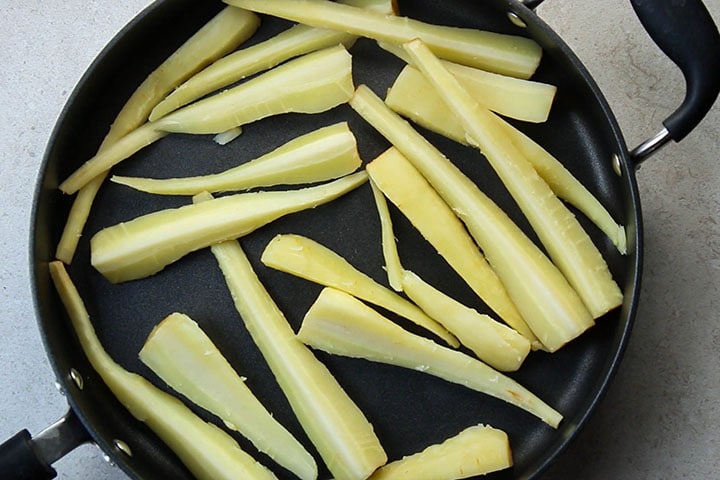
(320, 155)
(496, 344)
(312, 83)
(207, 451)
(312, 261)
(180, 353)
(337, 427)
(147, 244)
(393, 267)
(508, 54)
(477, 450)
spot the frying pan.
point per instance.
(409, 410)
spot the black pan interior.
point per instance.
(409, 410)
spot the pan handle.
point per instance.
(23, 457)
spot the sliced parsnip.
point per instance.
(551, 308)
(312, 83)
(418, 100)
(323, 154)
(180, 353)
(333, 422)
(507, 54)
(393, 267)
(477, 450)
(296, 40)
(499, 346)
(206, 450)
(340, 324)
(512, 97)
(306, 258)
(567, 243)
(146, 244)
(222, 34)
(401, 182)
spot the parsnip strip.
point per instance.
(393, 267)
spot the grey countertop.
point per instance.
(661, 415)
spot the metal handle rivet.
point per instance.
(616, 164)
(77, 378)
(516, 20)
(123, 447)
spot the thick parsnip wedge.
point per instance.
(565, 240)
(336, 426)
(401, 182)
(181, 354)
(222, 34)
(507, 54)
(549, 305)
(306, 258)
(312, 83)
(393, 267)
(145, 245)
(516, 98)
(323, 154)
(420, 102)
(496, 344)
(206, 450)
(477, 450)
(340, 324)
(296, 40)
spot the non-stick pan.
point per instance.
(408, 409)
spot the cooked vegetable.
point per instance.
(567, 243)
(222, 34)
(146, 244)
(312, 83)
(323, 154)
(390, 253)
(206, 450)
(312, 261)
(333, 422)
(509, 96)
(426, 210)
(419, 101)
(499, 346)
(477, 450)
(340, 324)
(508, 54)
(551, 308)
(228, 136)
(296, 40)
(180, 353)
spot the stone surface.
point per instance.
(661, 416)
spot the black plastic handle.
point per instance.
(686, 33)
(23, 457)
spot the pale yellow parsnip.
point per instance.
(567, 243)
(393, 267)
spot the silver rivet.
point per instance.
(616, 164)
(516, 20)
(123, 447)
(76, 378)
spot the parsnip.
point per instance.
(312, 83)
(333, 422)
(512, 97)
(206, 450)
(297, 40)
(340, 324)
(426, 210)
(567, 243)
(180, 353)
(477, 450)
(323, 154)
(507, 54)
(393, 267)
(306, 258)
(413, 96)
(222, 34)
(551, 308)
(146, 244)
(499, 346)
